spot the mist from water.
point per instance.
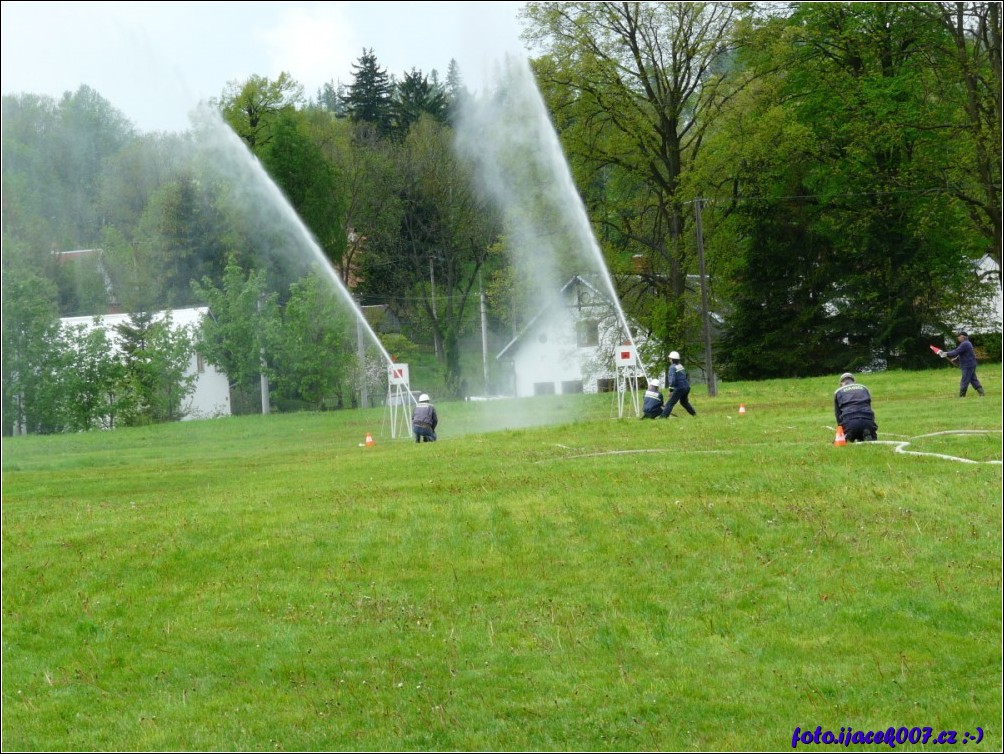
(508, 136)
(274, 221)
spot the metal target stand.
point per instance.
(628, 371)
(398, 400)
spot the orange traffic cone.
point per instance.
(742, 409)
(369, 440)
(840, 439)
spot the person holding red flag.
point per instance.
(967, 362)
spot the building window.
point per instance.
(571, 386)
(543, 388)
(587, 333)
(200, 365)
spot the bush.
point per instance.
(987, 346)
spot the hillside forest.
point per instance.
(835, 168)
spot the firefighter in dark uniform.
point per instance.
(679, 387)
(852, 405)
(967, 362)
(652, 407)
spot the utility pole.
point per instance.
(364, 397)
(708, 368)
(484, 331)
(266, 405)
(435, 317)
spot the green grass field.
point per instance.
(590, 583)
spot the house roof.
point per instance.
(381, 317)
(77, 254)
(179, 317)
(97, 256)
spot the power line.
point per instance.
(844, 195)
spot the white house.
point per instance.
(992, 320)
(211, 396)
(569, 346)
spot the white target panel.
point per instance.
(625, 356)
(397, 374)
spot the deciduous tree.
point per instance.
(240, 331)
(633, 88)
(250, 106)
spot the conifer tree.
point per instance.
(416, 95)
(370, 95)
(456, 92)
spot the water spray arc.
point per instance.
(510, 139)
(254, 186)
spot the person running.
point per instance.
(679, 387)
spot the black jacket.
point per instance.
(653, 401)
(851, 403)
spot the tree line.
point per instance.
(173, 232)
(845, 157)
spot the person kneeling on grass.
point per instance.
(852, 405)
(424, 420)
(652, 407)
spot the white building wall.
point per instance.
(548, 351)
(211, 396)
(548, 354)
(989, 268)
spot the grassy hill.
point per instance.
(589, 583)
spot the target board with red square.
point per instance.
(397, 374)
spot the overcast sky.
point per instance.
(154, 61)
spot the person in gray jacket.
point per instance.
(424, 420)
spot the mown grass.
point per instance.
(592, 583)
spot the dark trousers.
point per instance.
(858, 430)
(423, 434)
(678, 396)
(969, 378)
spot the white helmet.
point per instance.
(674, 355)
(423, 398)
(654, 382)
